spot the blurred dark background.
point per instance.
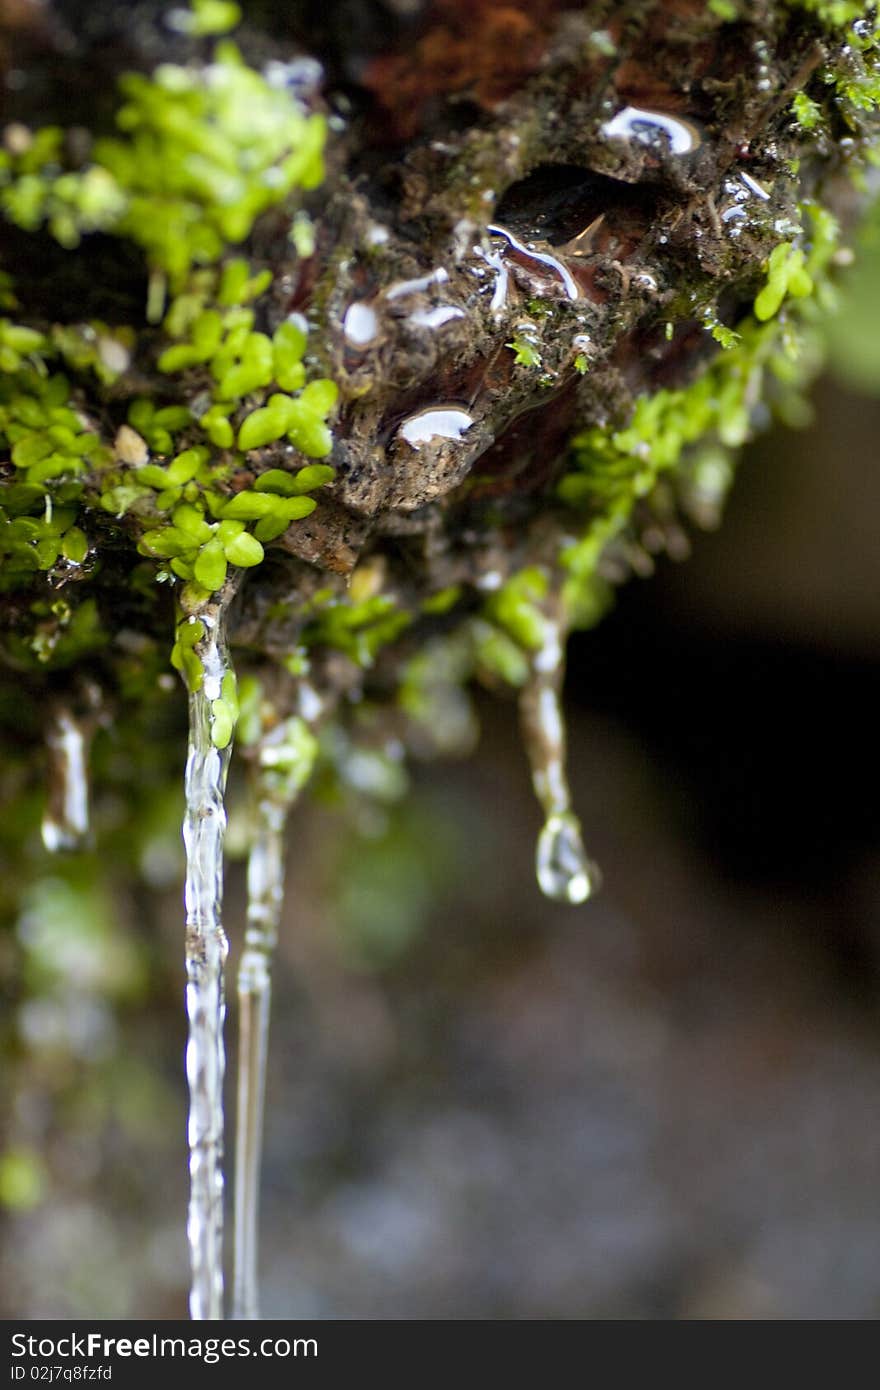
(662, 1104)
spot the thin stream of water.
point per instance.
(563, 870)
(284, 761)
(265, 878)
(206, 948)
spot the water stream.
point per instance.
(564, 872)
(283, 763)
(206, 948)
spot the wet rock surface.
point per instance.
(517, 205)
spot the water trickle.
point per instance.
(284, 760)
(543, 258)
(635, 123)
(436, 423)
(564, 872)
(435, 318)
(501, 284)
(206, 948)
(754, 187)
(418, 285)
(66, 817)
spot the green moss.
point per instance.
(806, 111)
(525, 352)
(359, 630)
(208, 17)
(768, 356)
(443, 601)
(201, 153)
(517, 607)
(786, 275)
(833, 13)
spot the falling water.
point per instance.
(66, 817)
(564, 872)
(285, 756)
(203, 829)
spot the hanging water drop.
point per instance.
(284, 759)
(66, 817)
(563, 870)
(211, 716)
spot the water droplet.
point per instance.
(285, 756)
(635, 123)
(360, 325)
(376, 234)
(489, 581)
(66, 819)
(436, 423)
(564, 872)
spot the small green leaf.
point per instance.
(210, 566)
(178, 358)
(267, 424)
(219, 430)
(320, 396)
(165, 542)
(295, 508)
(153, 476)
(222, 724)
(185, 467)
(75, 545)
(312, 438)
(229, 692)
(191, 522)
(31, 449)
(250, 506)
(244, 550)
(270, 528)
(278, 481)
(193, 670)
(190, 632)
(314, 475)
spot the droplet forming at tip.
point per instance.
(565, 874)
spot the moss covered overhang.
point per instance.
(520, 318)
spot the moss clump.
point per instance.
(770, 356)
(202, 152)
